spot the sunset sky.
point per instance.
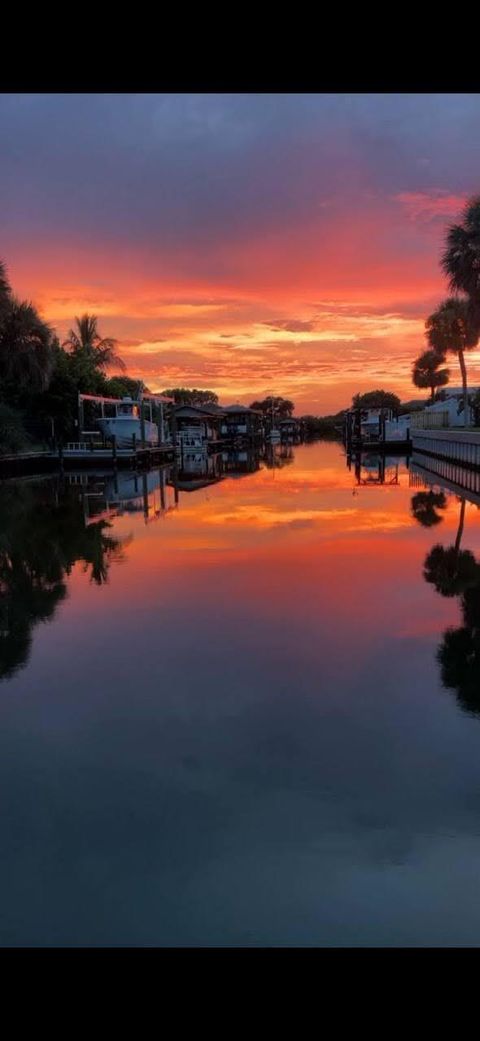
(244, 243)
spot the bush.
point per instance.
(12, 433)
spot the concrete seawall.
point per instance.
(456, 446)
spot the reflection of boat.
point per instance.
(128, 489)
(123, 492)
(126, 423)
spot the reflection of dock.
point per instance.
(372, 469)
(113, 495)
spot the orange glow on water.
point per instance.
(304, 534)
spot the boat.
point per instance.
(376, 426)
(126, 423)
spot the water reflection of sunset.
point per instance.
(298, 531)
(255, 671)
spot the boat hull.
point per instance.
(123, 428)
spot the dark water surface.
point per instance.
(250, 717)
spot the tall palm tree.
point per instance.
(461, 256)
(427, 372)
(26, 352)
(86, 340)
(453, 327)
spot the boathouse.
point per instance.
(197, 427)
(241, 421)
(289, 429)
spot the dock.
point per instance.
(78, 456)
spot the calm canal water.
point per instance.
(249, 717)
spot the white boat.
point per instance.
(126, 422)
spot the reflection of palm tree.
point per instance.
(456, 572)
(425, 505)
(42, 535)
(459, 654)
(450, 569)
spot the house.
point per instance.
(453, 405)
(289, 429)
(240, 421)
(197, 427)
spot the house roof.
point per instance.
(241, 408)
(194, 411)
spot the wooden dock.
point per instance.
(67, 458)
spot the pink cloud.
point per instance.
(427, 206)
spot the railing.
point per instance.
(429, 420)
(233, 428)
(457, 446)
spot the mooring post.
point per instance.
(173, 428)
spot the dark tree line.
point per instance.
(40, 378)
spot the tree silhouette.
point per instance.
(85, 342)
(454, 327)
(461, 256)
(426, 372)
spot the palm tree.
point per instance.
(426, 371)
(452, 327)
(461, 256)
(86, 340)
(26, 352)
